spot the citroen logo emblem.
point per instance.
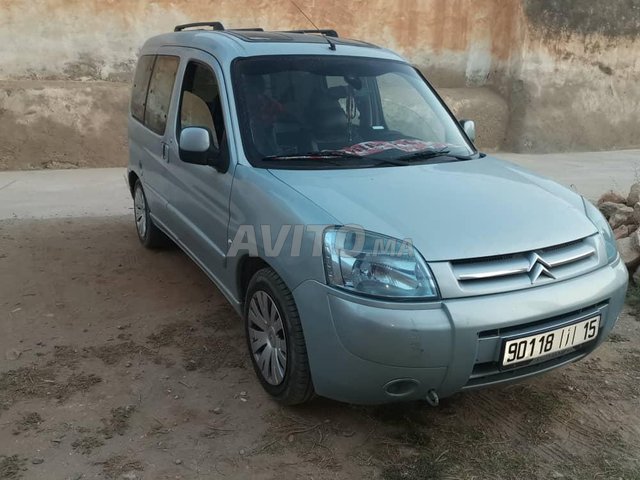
(538, 267)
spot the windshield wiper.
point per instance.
(312, 155)
(428, 154)
(324, 155)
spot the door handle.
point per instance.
(165, 151)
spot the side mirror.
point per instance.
(196, 146)
(469, 127)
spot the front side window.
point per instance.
(160, 89)
(200, 104)
(354, 108)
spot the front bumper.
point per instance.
(368, 351)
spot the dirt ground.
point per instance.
(121, 363)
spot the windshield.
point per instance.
(301, 108)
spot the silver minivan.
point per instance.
(373, 253)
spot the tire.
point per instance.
(289, 384)
(149, 234)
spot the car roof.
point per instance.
(226, 45)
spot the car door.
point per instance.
(199, 194)
(149, 127)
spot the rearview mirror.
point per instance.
(196, 146)
(469, 127)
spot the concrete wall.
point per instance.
(575, 82)
(537, 75)
(458, 41)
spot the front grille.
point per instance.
(544, 324)
(487, 374)
(526, 269)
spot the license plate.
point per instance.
(528, 348)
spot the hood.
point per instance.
(457, 210)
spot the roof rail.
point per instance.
(214, 25)
(252, 29)
(327, 32)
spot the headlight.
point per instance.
(604, 228)
(371, 264)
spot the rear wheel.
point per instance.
(275, 339)
(149, 234)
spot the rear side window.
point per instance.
(140, 84)
(160, 89)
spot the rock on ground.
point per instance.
(611, 197)
(629, 252)
(634, 194)
(624, 217)
(621, 232)
(610, 209)
(635, 239)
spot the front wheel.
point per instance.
(275, 339)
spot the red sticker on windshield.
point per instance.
(404, 145)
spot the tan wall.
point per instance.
(553, 75)
(576, 83)
(460, 41)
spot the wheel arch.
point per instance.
(132, 178)
(246, 269)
